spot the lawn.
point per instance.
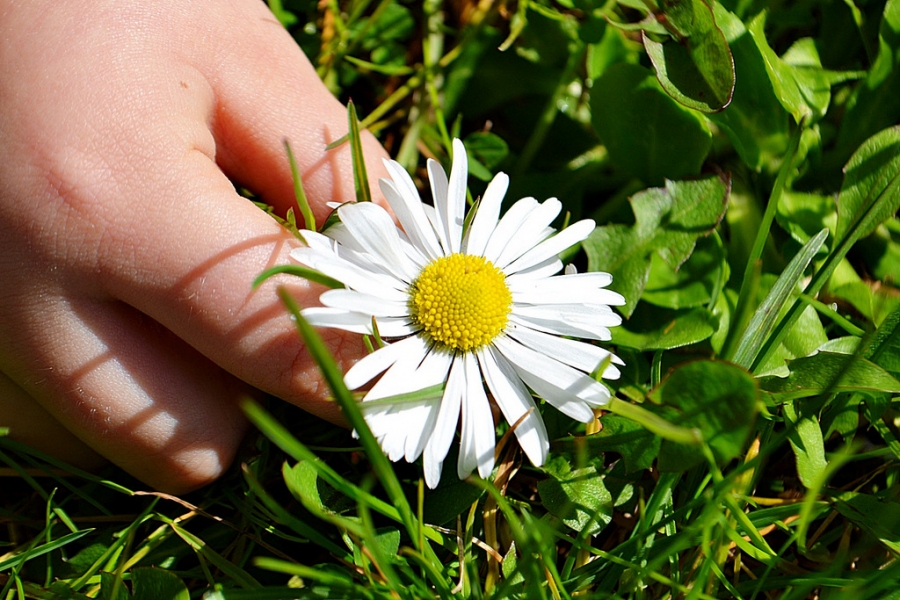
(741, 160)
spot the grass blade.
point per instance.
(309, 219)
(360, 176)
(763, 319)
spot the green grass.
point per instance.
(757, 246)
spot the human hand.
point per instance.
(127, 321)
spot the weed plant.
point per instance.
(742, 161)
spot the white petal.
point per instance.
(377, 362)
(476, 448)
(553, 246)
(582, 356)
(432, 371)
(352, 275)
(374, 229)
(514, 401)
(532, 230)
(507, 227)
(529, 276)
(568, 389)
(404, 199)
(437, 179)
(402, 429)
(573, 280)
(395, 327)
(452, 206)
(585, 288)
(437, 447)
(364, 303)
(487, 215)
(407, 375)
(339, 319)
(590, 321)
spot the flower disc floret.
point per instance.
(461, 301)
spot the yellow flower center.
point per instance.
(461, 301)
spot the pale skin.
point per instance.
(128, 327)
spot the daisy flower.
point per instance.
(471, 310)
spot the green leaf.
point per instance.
(696, 68)
(803, 215)
(113, 588)
(801, 84)
(755, 121)
(878, 516)
(808, 444)
(682, 329)
(884, 349)
(576, 496)
(693, 283)
(647, 134)
(828, 372)
(871, 191)
(624, 436)
(718, 398)
(668, 222)
(153, 584)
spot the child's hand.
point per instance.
(127, 322)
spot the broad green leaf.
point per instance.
(576, 496)
(827, 372)
(696, 68)
(607, 52)
(881, 252)
(763, 320)
(873, 301)
(871, 190)
(879, 516)
(805, 336)
(808, 444)
(755, 121)
(150, 583)
(715, 397)
(693, 283)
(681, 329)
(647, 134)
(624, 436)
(113, 587)
(668, 222)
(801, 84)
(389, 540)
(803, 215)
(884, 349)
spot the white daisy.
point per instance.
(468, 311)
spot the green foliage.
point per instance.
(742, 161)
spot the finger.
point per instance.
(200, 288)
(267, 92)
(30, 424)
(129, 390)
